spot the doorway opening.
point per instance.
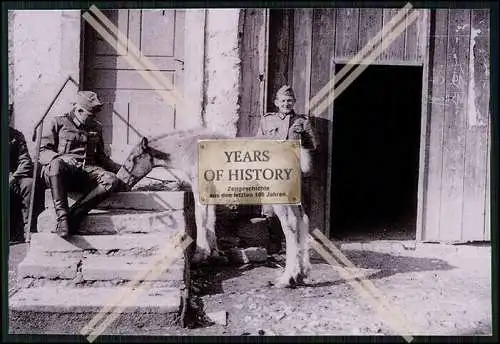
(375, 155)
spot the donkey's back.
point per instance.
(182, 147)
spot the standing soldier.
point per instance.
(285, 125)
(20, 180)
(73, 159)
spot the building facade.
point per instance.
(228, 63)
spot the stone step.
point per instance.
(56, 323)
(127, 268)
(42, 310)
(127, 244)
(135, 200)
(120, 222)
(95, 268)
(82, 300)
(41, 266)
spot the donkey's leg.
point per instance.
(289, 223)
(210, 229)
(202, 244)
(304, 263)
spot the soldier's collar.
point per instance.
(75, 119)
(283, 115)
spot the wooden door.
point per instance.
(133, 108)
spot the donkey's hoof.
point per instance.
(301, 280)
(303, 274)
(285, 281)
(200, 255)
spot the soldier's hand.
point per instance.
(298, 128)
(70, 160)
(12, 180)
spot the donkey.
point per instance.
(179, 151)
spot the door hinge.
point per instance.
(181, 62)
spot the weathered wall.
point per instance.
(454, 177)
(254, 71)
(10, 45)
(456, 192)
(222, 70)
(45, 49)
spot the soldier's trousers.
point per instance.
(77, 179)
(62, 177)
(20, 197)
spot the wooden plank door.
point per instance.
(301, 46)
(133, 108)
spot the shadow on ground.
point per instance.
(208, 279)
(387, 264)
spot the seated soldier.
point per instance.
(73, 159)
(20, 182)
(285, 125)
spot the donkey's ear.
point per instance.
(144, 143)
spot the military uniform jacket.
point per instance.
(278, 126)
(20, 163)
(84, 142)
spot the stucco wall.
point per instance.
(45, 49)
(222, 70)
(10, 44)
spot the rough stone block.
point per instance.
(120, 222)
(254, 233)
(246, 255)
(226, 243)
(219, 318)
(256, 254)
(37, 265)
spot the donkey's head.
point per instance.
(141, 160)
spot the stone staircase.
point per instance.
(73, 279)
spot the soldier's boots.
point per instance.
(60, 199)
(85, 204)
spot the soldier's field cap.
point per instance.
(89, 101)
(285, 90)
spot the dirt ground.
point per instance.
(440, 289)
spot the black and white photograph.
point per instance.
(375, 218)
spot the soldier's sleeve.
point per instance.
(309, 140)
(261, 129)
(106, 161)
(49, 142)
(25, 164)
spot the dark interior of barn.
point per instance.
(375, 154)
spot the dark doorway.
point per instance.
(375, 157)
